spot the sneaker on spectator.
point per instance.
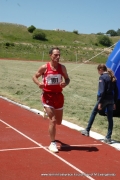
(107, 140)
(85, 132)
(53, 147)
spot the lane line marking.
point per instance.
(17, 149)
(67, 146)
(79, 145)
(63, 160)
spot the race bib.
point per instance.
(53, 79)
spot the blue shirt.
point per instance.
(107, 90)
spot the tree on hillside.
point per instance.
(112, 32)
(31, 28)
(104, 40)
(39, 35)
(75, 31)
(99, 33)
(118, 32)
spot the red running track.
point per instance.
(24, 155)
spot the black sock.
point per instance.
(53, 141)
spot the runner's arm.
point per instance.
(38, 74)
(66, 77)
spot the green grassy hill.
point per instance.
(17, 43)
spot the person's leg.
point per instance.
(92, 117)
(110, 120)
(49, 109)
(45, 113)
(52, 128)
(52, 122)
(55, 117)
(91, 120)
(54, 110)
(58, 115)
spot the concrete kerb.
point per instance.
(93, 134)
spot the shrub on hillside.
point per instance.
(31, 28)
(39, 35)
(7, 44)
(75, 31)
(104, 40)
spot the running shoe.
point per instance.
(53, 147)
(107, 140)
(85, 132)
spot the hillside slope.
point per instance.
(17, 43)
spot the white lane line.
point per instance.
(18, 149)
(79, 145)
(63, 160)
(65, 146)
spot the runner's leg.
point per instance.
(52, 122)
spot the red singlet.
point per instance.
(52, 79)
(52, 92)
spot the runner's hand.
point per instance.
(62, 84)
(41, 85)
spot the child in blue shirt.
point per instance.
(107, 98)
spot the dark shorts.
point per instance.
(53, 100)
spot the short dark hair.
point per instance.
(51, 50)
